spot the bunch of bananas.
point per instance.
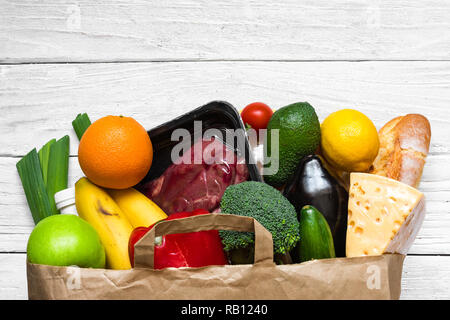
(114, 214)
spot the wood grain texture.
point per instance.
(13, 277)
(124, 30)
(38, 102)
(423, 277)
(426, 278)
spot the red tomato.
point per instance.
(256, 115)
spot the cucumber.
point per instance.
(316, 241)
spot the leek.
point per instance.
(30, 173)
(44, 155)
(80, 124)
(58, 169)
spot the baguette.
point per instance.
(404, 146)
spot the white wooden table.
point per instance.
(154, 60)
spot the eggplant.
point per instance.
(313, 185)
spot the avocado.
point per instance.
(299, 136)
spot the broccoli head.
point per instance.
(269, 207)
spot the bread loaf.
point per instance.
(404, 145)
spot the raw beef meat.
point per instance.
(186, 186)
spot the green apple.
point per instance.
(65, 240)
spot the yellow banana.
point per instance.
(140, 210)
(96, 207)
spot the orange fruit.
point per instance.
(115, 152)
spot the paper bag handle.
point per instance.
(144, 248)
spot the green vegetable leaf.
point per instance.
(80, 124)
(44, 155)
(58, 169)
(30, 173)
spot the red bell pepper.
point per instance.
(195, 249)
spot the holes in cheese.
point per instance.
(359, 231)
(384, 215)
(361, 190)
(397, 224)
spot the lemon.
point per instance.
(349, 140)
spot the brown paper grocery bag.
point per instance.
(377, 277)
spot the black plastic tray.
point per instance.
(216, 114)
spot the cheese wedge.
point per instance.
(384, 215)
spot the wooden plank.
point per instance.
(123, 30)
(424, 277)
(38, 102)
(13, 277)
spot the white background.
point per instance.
(154, 60)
